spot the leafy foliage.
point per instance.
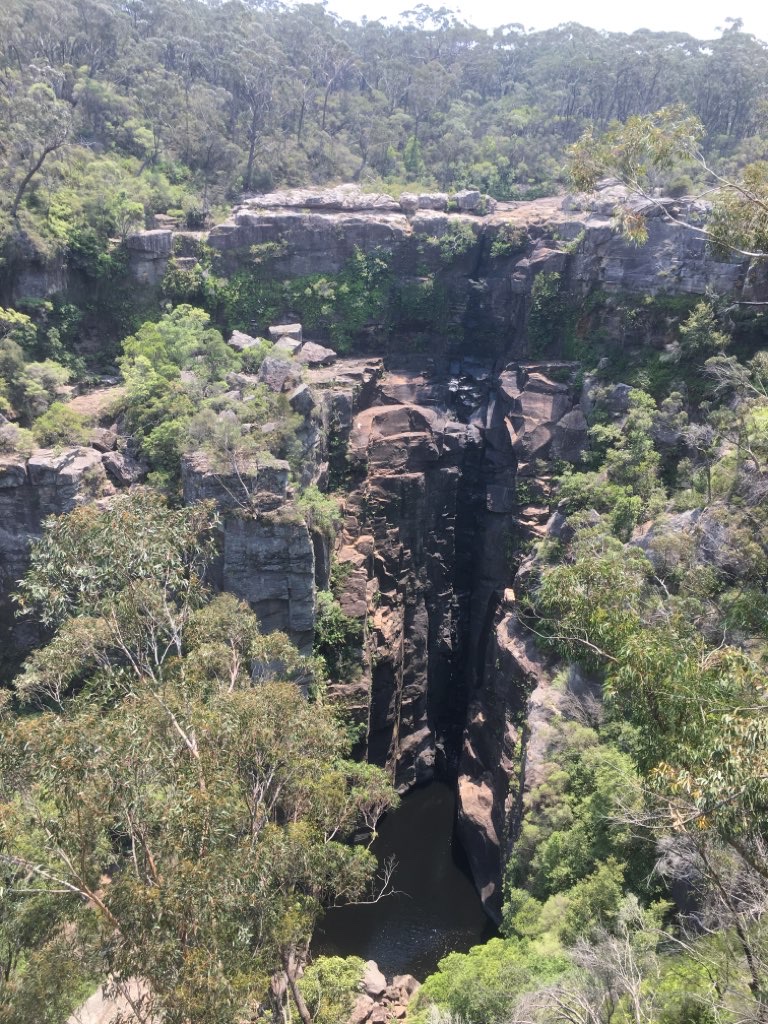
(163, 816)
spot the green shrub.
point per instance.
(509, 241)
(60, 425)
(320, 511)
(552, 318)
(329, 986)
(457, 240)
(481, 986)
(14, 440)
(338, 637)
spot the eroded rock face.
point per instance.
(148, 253)
(49, 483)
(489, 283)
(500, 740)
(399, 543)
(452, 478)
(267, 557)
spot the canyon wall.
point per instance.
(446, 458)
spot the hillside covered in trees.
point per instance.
(114, 112)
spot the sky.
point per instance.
(700, 18)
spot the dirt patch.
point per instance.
(98, 403)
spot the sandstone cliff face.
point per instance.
(451, 472)
(399, 544)
(317, 231)
(514, 699)
(48, 484)
(489, 278)
(447, 466)
(266, 554)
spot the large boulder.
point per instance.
(312, 354)
(278, 331)
(469, 200)
(286, 346)
(241, 342)
(373, 982)
(570, 436)
(279, 374)
(124, 467)
(301, 400)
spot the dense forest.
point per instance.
(182, 790)
(112, 113)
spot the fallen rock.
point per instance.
(242, 342)
(373, 981)
(406, 983)
(313, 354)
(301, 400)
(287, 346)
(361, 1010)
(433, 201)
(478, 830)
(617, 399)
(348, 197)
(278, 374)
(124, 468)
(285, 331)
(103, 440)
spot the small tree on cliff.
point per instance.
(162, 816)
(637, 151)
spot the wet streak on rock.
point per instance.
(453, 482)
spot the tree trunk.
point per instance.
(24, 183)
(251, 152)
(291, 973)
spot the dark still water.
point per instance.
(435, 910)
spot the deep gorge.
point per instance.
(442, 458)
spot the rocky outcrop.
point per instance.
(266, 554)
(380, 1001)
(47, 484)
(488, 279)
(148, 254)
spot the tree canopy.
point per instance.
(162, 815)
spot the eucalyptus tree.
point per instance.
(175, 810)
